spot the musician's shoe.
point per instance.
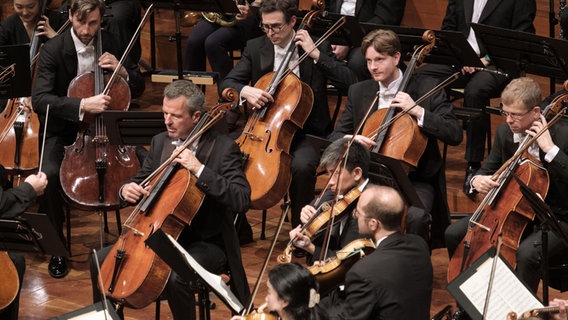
(460, 315)
(470, 171)
(58, 267)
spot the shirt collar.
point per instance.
(392, 88)
(80, 47)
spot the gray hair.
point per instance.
(195, 97)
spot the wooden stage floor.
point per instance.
(44, 297)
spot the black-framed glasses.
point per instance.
(274, 27)
(514, 116)
(358, 214)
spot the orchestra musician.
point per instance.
(434, 116)
(395, 281)
(292, 294)
(385, 12)
(353, 175)
(561, 303)
(216, 161)
(522, 113)
(480, 86)
(63, 58)
(13, 202)
(263, 55)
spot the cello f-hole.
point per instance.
(266, 148)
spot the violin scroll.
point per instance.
(430, 37)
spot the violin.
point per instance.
(539, 313)
(504, 210)
(331, 272)
(320, 221)
(9, 279)
(259, 314)
(398, 135)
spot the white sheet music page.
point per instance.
(508, 292)
(214, 281)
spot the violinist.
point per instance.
(522, 113)
(434, 117)
(13, 202)
(263, 55)
(63, 58)
(292, 294)
(354, 175)
(394, 281)
(216, 161)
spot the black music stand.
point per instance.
(548, 222)
(188, 269)
(350, 34)
(133, 127)
(451, 47)
(220, 6)
(15, 71)
(31, 232)
(524, 52)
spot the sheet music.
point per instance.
(508, 292)
(93, 315)
(214, 281)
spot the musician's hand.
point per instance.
(302, 241)
(109, 61)
(307, 213)
(483, 184)
(187, 159)
(132, 192)
(544, 142)
(96, 104)
(340, 52)
(404, 102)
(44, 28)
(562, 315)
(38, 182)
(256, 98)
(367, 142)
(466, 69)
(244, 12)
(304, 40)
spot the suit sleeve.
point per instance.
(15, 201)
(335, 71)
(496, 157)
(440, 121)
(360, 299)
(389, 12)
(523, 17)
(240, 75)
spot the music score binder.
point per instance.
(508, 292)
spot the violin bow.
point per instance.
(43, 139)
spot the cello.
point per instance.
(134, 274)
(398, 135)
(9, 279)
(504, 210)
(103, 167)
(267, 135)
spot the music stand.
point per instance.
(94, 311)
(548, 222)
(31, 232)
(350, 34)
(451, 47)
(220, 6)
(524, 52)
(15, 74)
(133, 127)
(188, 269)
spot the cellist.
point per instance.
(263, 55)
(354, 175)
(434, 117)
(62, 59)
(522, 112)
(216, 162)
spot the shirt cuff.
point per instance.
(420, 120)
(81, 112)
(550, 155)
(200, 171)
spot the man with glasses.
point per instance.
(395, 281)
(263, 55)
(522, 113)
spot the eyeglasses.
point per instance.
(514, 116)
(358, 214)
(274, 27)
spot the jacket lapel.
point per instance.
(488, 9)
(70, 54)
(266, 56)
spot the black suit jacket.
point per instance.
(57, 66)
(12, 30)
(226, 191)
(258, 60)
(504, 147)
(387, 12)
(508, 14)
(394, 282)
(15, 201)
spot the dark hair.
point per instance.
(195, 97)
(358, 156)
(383, 41)
(293, 284)
(288, 7)
(83, 7)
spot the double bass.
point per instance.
(504, 211)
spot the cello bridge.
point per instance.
(100, 139)
(252, 136)
(135, 231)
